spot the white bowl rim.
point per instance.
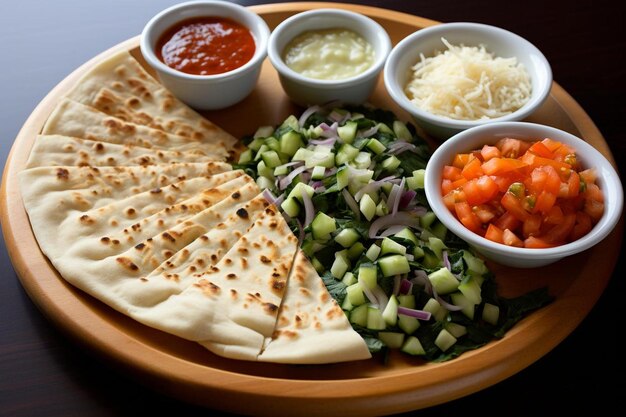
(260, 41)
(282, 68)
(523, 129)
(398, 95)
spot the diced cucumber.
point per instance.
(439, 230)
(348, 279)
(381, 208)
(362, 160)
(256, 143)
(309, 247)
(408, 324)
(320, 159)
(355, 294)
(264, 182)
(302, 154)
(299, 189)
(318, 173)
(474, 263)
(407, 234)
(340, 266)
(393, 340)
(413, 346)
(433, 307)
(470, 288)
(343, 177)
(443, 281)
(263, 132)
(347, 237)
(406, 300)
(317, 265)
(373, 252)
(418, 176)
(272, 143)
(375, 320)
(367, 207)
(346, 305)
(394, 265)
(347, 132)
(412, 183)
(390, 313)
(368, 275)
(322, 226)
(388, 246)
(291, 206)
(430, 260)
(467, 307)
(358, 315)
(401, 131)
(265, 171)
(418, 252)
(291, 142)
(383, 128)
(346, 153)
(375, 146)
(281, 170)
(390, 164)
(292, 122)
(427, 219)
(355, 251)
(262, 149)
(245, 156)
(437, 246)
(455, 329)
(444, 340)
(491, 313)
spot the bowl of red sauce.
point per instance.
(523, 194)
(207, 53)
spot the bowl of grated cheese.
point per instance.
(454, 76)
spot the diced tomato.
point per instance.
(494, 233)
(467, 217)
(489, 152)
(522, 193)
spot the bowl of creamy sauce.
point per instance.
(324, 55)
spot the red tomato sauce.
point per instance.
(206, 46)
(524, 194)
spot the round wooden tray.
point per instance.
(187, 371)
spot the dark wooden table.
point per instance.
(44, 373)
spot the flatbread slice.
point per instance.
(71, 118)
(311, 328)
(59, 150)
(120, 87)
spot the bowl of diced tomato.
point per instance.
(523, 194)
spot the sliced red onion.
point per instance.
(316, 184)
(330, 171)
(291, 164)
(447, 305)
(338, 117)
(409, 257)
(309, 209)
(406, 198)
(381, 297)
(300, 232)
(418, 210)
(421, 278)
(401, 218)
(399, 146)
(392, 230)
(320, 189)
(369, 293)
(273, 199)
(306, 114)
(394, 194)
(396, 202)
(326, 142)
(329, 131)
(446, 260)
(371, 187)
(406, 286)
(411, 312)
(284, 182)
(351, 203)
(367, 133)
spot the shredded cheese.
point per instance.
(468, 83)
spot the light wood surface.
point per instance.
(187, 371)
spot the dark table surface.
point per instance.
(44, 373)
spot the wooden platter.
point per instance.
(187, 371)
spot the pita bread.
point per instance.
(120, 87)
(58, 150)
(70, 118)
(311, 328)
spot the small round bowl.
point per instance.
(207, 92)
(307, 91)
(500, 42)
(474, 138)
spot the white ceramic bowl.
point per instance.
(608, 181)
(308, 91)
(500, 42)
(207, 92)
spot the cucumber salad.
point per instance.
(349, 181)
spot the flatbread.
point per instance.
(71, 118)
(120, 87)
(311, 328)
(59, 150)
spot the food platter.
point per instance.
(187, 371)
